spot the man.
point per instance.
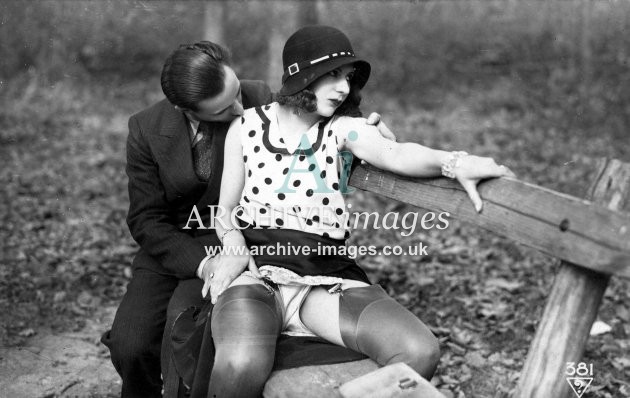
(174, 162)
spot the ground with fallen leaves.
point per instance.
(66, 250)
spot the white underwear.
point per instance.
(292, 290)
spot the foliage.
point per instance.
(65, 246)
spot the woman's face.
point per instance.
(332, 89)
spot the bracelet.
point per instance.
(451, 163)
(203, 265)
(227, 231)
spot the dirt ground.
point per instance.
(69, 364)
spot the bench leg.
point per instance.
(572, 306)
(562, 333)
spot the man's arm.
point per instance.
(149, 218)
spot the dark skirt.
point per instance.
(313, 263)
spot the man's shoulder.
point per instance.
(152, 112)
(157, 117)
(255, 93)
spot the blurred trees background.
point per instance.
(556, 50)
(412, 44)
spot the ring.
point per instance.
(211, 275)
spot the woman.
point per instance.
(282, 169)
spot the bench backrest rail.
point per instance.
(563, 226)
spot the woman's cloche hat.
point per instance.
(315, 50)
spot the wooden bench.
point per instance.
(591, 236)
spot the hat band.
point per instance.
(298, 66)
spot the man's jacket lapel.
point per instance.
(173, 152)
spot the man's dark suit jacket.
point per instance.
(163, 186)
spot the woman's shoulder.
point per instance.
(265, 108)
(258, 112)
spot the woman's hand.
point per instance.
(217, 277)
(472, 169)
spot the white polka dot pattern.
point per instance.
(293, 191)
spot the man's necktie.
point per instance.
(202, 151)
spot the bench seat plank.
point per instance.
(315, 381)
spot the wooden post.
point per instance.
(572, 305)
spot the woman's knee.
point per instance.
(421, 353)
(375, 324)
(240, 372)
(414, 344)
(244, 363)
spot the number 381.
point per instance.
(582, 369)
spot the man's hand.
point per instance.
(222, 270)
(473, 169)
(375, 120)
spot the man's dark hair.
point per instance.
(305, 100)
(193, 73)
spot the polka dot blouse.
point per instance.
(294, 188)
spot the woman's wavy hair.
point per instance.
(305, 100)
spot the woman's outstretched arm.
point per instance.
(416, 160)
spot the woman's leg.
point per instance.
(246, 322)
(367, 320)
